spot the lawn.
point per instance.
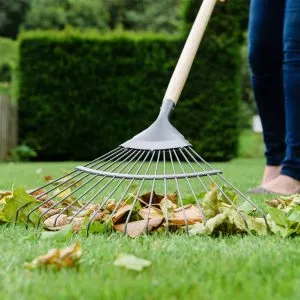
(182, 267)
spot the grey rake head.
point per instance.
(158, 160)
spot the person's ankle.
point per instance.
(270, 173)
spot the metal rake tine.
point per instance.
(152, 190)
(74, 183)
(55, 187)
(64, 198)
(92, 187)
(231, 185)
(223, 193)
(191, 188)
(179, 194)
(125, 192)
(139, 190)
(165, 190)
(98, 193)
(62, 177)
(199, 178)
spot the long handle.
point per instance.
(189, 52)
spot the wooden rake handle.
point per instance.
(189, 51)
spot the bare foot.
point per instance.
(284, 185)
(270, 173)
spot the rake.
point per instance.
(158, 160)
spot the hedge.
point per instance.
(84, 93)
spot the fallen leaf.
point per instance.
(48, 178)
(47, 214)
(137, 228)
(188, 214)
(154, 213)
(167, 207)
(56, 221)
(131, 262)
(40, 194)
(62, 194)
(61, 235)
(59, 258)
(145, 199)
(4, 194)
(121, 213)
(23, 203)
(173, 197)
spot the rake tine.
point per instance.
(165, 190)
(98, 193)
(222, 192)
(126, 190)
(191, 188)
(64, 198)
(231, 185)
(139, 190)
(105, 201)
(88, 164)
(179, 194)
(92, 187)
(193, 169)
(152, 190)
(74, 183)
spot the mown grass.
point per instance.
(182, 267)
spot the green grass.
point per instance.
(182, 267)
(251, 144)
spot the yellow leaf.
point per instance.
(60, 258)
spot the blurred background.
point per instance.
(79, 77)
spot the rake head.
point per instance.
(136, 188)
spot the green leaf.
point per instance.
(294, 214)
(211, 204)
(230, 193)
(131, 262)
(209, 227)
(278, 216)
(22, 200)
(61, 235)
(95, 226)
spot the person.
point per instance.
(274, 57)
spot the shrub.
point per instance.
(82, 94)
(11, 16)
(8, 65)
(58, 14)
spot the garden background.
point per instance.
(79, 77)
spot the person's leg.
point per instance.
(289, 181)
(265, 57)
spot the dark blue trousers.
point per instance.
(274, 55)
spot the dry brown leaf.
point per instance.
(145, 199)
(189, 213)
(77, 224)
(121, 212)
(61, 221)
(50, 213)
(167, 207)
(40, 194)
(48, 178)
(154, 213)
(173, 197)
(110, 205)
(60, 258)
(4, 194)
(135, 229)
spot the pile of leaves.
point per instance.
(217, 212)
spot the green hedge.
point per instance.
(82, 94)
